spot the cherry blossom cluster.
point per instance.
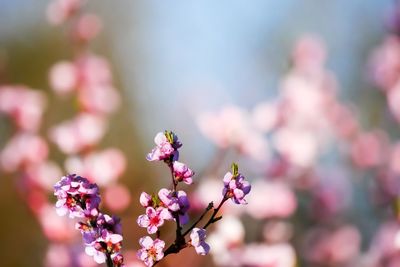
(101, 233)
(173, 205)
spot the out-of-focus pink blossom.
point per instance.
(326, 202)
(393, 99)
(387, 187)
(225, 128)
(44, 174)
(271, 199)
(99, 99)
(63, 77)
(86, 28)
(260, 255)
(228, 234)
(232, 127)
(384, 242)
(265, 116)
(255, 146)
(24, 106)
(277, 231)
(299, 147)
(90, 76)
(369, 149)
(54, 227)
(331, 194)
(209, 189)
(82, 132)
(309, 54)
(58, 11)
(344, 121)
(385, 63)
(305, 100)
(131, 259)
(23, 149)
(94, 71)
(103, 167)
(394, 162)
(333, 247)
(57, 255)
(117, 197)
(67, 255)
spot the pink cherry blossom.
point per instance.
(176, 202)
(153, 219)
(182, 172)
(97, 255)
(76, 197)
(145, 200)
(197, 240)
(236, 188)
(166, 148)
(168, 198)
(98, 251)
(151, 251)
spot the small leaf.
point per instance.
(235, 169)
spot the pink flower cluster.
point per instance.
(173, 205)
(101, 233)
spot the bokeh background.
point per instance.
(174, 61)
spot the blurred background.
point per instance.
(302, 94)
